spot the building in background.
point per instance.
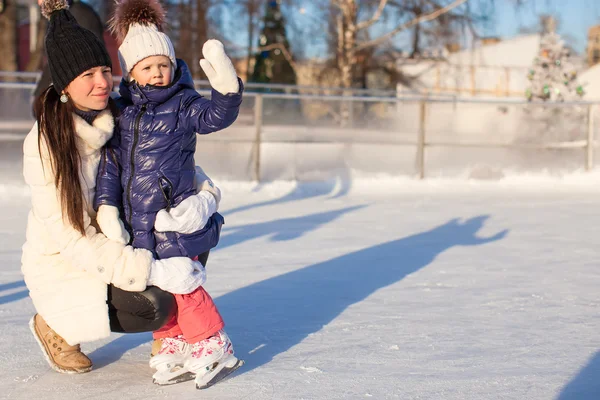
(491, 67)
(593, 47)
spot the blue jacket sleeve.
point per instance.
(108, 181)
(206, 116)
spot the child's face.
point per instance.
(153, 70)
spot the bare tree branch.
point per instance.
(406, 25)
(375, 18)
(285, 52)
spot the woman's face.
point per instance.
(91, 90)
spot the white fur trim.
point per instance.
(95, 136)
(143, 41)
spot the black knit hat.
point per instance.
(71, 49)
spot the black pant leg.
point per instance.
(203, 258)
(147, 311)
(132, 312)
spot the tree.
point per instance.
(349, 28)
(189, 23)
(251, 10)
(105, 9)
(553, 78)
(8, 36)
(272, 62)
(8, 61)
(353, 38)
(36, 56)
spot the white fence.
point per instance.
(299, 136)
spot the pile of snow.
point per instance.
(383, 185)
(369, 185)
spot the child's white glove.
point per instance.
(203, 182)
(111, 225)
(178, 275)
(189, 216)
(193, 213)
(218, 68)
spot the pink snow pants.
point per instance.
(197, 318)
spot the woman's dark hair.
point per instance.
(56, 128)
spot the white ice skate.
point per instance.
(169, 362)
(212, 360)
(218, 371)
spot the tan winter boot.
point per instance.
(61, 356)
(156, 345)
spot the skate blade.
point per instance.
(177, 374)
(219, 373)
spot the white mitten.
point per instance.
(218, 68)
(111, 225)
(189, 216)
(205, 183)
(178, 275)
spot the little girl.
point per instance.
(149, 166)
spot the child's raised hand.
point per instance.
(218, 68)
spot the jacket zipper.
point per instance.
(136, 134)
(166, 188)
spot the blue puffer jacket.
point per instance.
(149, 163)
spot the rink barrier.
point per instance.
(421, 141)
(32, 77)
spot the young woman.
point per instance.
(83, 285)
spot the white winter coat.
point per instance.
(67, 273)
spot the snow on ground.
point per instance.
(383, 288)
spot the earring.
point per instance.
(64, 98)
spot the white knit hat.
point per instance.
(144, 41)
(138, 25)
